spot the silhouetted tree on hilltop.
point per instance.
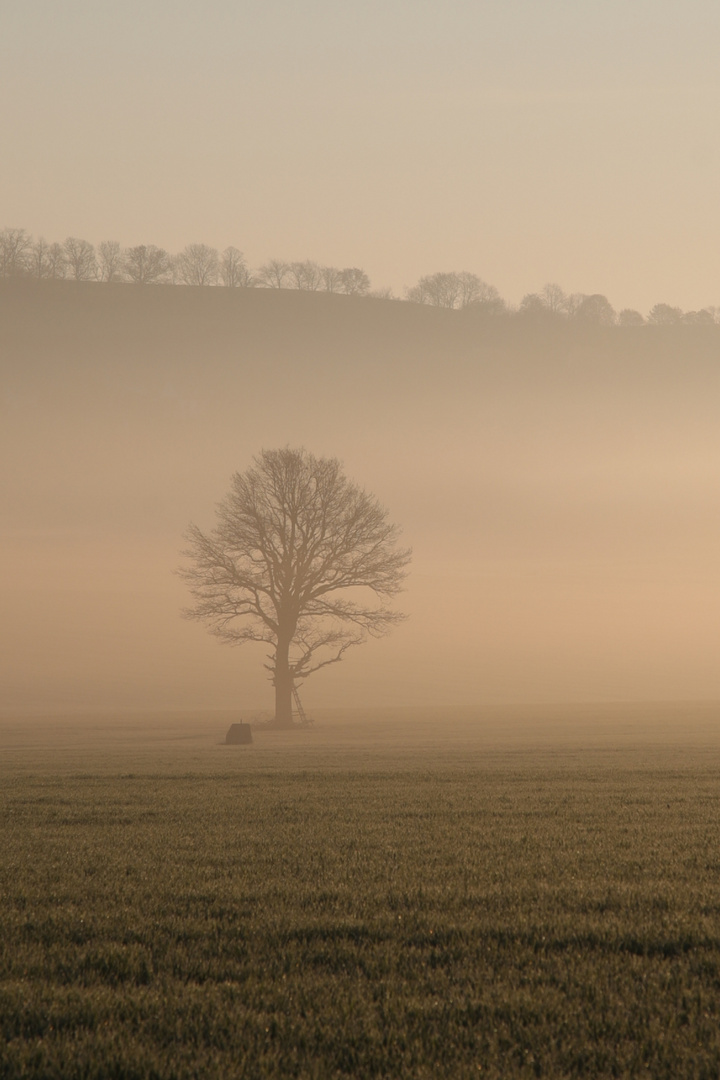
(630, 317)
(80, 259)
(15, 245)
(146, 264)
(234, 271)
(353, 282)
(110, 261)
(273, 274)
(665, 315)
(198, 264)
(454, 290)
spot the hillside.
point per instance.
(558, 483)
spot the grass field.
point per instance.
(517, 894)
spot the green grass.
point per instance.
(501, 914)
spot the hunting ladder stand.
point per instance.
(305, 720)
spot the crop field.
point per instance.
(518, 894)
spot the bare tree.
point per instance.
(455, 290)
(595, 308)
(296, 560)
(80, 259)
(354, 282)
(306, 276)
(57, 263)
(39, 263)
(416, 294)
(234, 271)
(471, 289)
(15, 251)
(476, 293)
(330, 278)
(110, 261)
(444, 290)
(572, 303)
(703, 317)
(554, 298)
(439, 290)
(273, 274)
(630, 317)
(532, 304)
(198, 264)
(551, 300)
(146, 265)
(665, 315)
(550, 303)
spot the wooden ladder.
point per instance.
(304, 720)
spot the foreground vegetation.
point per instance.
(274, 912)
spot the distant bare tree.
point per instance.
(416, 294)
(419, 293)
(198, 264)
(595, 309)
(383, 293)
(39, 264)
(15, 252)
(172, 274)
(572, 303)
(454, 290)
(470, 289)
(234, 271)
(330, 278)
(445, 290)
(146, 265)
(699, 318)
(56, 261)
(80, 259)
(306, 276)
(533, 304)
(354, 282)
(439, 290)
(550, 302)
(665, 315)
(296, 560)
(476, 293)
(630, 317)
(273, 274)
(110, 261)
(554, 298)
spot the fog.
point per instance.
(558, 487)
(558, 483)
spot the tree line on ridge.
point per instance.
(21, 255)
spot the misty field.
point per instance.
(514, 895)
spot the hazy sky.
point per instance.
(565, 140)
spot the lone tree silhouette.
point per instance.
(300, 558)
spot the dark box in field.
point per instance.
(239, 733)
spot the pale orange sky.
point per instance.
(527, 142)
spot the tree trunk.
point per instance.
(283, 685)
